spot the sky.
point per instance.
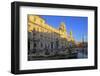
(78, 25)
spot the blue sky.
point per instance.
(78, 25)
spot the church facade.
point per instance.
(44, 40)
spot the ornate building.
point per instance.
(43, 39)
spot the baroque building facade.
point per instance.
(43, 39)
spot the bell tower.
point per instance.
(71, 36)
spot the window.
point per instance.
(34, 45)
(41, 45)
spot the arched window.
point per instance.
(57, 44)
(34, 45)
(41, 45)
(51, 45)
